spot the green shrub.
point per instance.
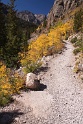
(76, 51)
(78, 43)
(4, 99)
(67, 35)
(74, 40)
(32, 67)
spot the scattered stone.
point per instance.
(24, 121)
(74, 76)
(80, 67)
(59, 116)
(50, 74)
(59, 52)
(17, 119)
(81, 76)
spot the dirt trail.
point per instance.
(62, 101)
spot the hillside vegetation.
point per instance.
(15, 52)
(46, 44)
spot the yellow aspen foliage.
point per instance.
(4, 80)
(9, 84)
(46, 44)
(16, 83)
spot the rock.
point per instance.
(32, 82)
(45, 60)
(17, 119)
(40, 17)
(81, 76)
(59, 52)
(80, 67)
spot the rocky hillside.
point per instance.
(61, 7)
(30, 17)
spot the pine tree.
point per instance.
(13, 38)
(2, 31)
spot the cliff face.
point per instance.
(60, 7)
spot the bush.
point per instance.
(78, 43)
(32, 67)
(74, 40)
(67, 35)
(76, 51)
(9, 84)
(4, 99)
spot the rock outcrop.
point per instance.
(61, 7)
(40, 17)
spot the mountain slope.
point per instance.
(61, 7)
(30, 17)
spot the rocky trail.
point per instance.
(60, 102)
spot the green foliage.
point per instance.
(26, 26)
(14, 34)
(67, 35)
(13, 39)
(76, 51)
(32, 67)
(78, 43)
(4, 99)
(74, 40)
(2, 31)
(78, 21)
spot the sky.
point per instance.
(34, 6)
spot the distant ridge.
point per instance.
(30, 17)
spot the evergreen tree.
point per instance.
(2, 31)
(13, 38)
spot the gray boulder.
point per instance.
(32, 81)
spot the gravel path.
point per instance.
(60, 103)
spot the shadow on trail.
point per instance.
(41, 69)
(8, 117)
(42, 87)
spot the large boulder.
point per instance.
(32, 82)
